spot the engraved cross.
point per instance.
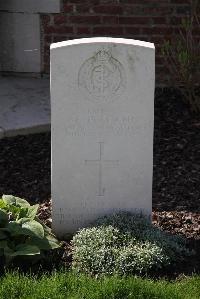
(100, 162)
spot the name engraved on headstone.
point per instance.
(97, 121)
(100, 162)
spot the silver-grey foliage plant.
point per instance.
(125, 244)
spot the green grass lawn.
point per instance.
(68, 285)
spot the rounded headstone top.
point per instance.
(94, 40)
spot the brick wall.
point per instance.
(148, 20)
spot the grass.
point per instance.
(62, 285)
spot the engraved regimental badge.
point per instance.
(101, 77)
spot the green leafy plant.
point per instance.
(22, 234)
(182, 58)
(125, 244)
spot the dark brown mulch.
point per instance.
(183, 223)
(25, 166)
(176, 155)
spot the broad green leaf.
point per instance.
(4, 229)
(2, 235)
(32, 211)
(23, 220)
(16, 201)
(9, 199)
(44, 244)
(8, 251)
(14, 210)
(52, 244)
(3, 244)
(20, 202)
(23, 213)
(46, 228)
(2, 204)
(34, 228)
(3, 218)
(15, 228)
(24, 249)
(52, 238)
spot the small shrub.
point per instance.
(22, 234)
(141, 228)
(125, 244)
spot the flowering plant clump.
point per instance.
(125, 244)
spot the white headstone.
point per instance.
(102, 99)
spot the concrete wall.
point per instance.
(30, 6)
(20, 34)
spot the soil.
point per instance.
(176, 155)
(25, 168)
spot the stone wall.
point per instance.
(147, 20)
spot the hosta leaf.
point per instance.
(46, 228)
(34, 228)
(8, 251)
(52, 238)
(20, 202)
(23, 220)
(44, 244)
(14, 210)
(16, 201)
(9, 199)
(15, 228)
(52, 244)
(4, 229)
(3, 218)
(3, 244)
(2, 204)
(23, 212)
(2, 235)
(32, 211)
(24, 249)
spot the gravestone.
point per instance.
(102, 102)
